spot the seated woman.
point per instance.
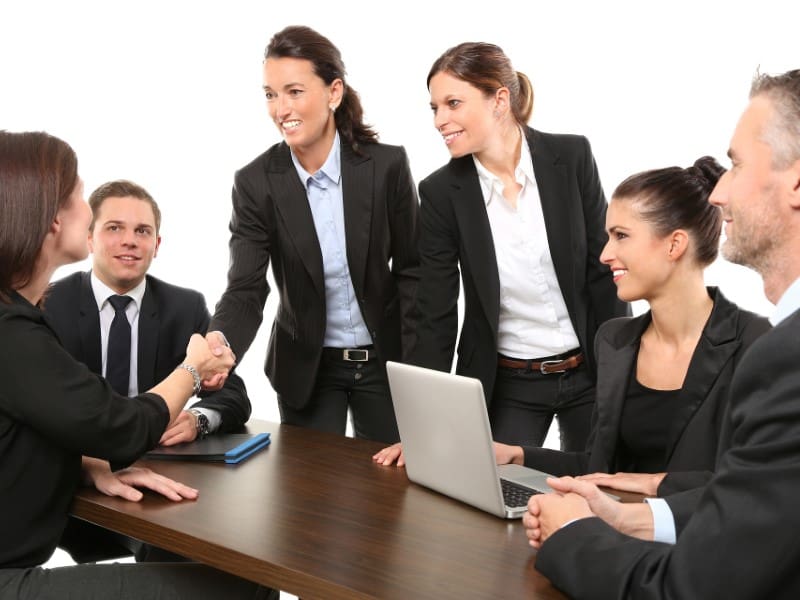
(54, 411)
(663, 377)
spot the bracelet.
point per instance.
(195, 375)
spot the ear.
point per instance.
(158, 245)
(502, 101)
(678, 242)
(90, 241)
(336, 90)
(793, 175)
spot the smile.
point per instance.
(290, 124)
(618, 274)
(449, 137)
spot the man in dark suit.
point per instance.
(124, 238)
(740, 540)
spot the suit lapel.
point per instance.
(470, 211)
(291, 202)
(552, 182)
(149, 327)
(357, 193)
(89, 326)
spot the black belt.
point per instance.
(351, 354)
(544, 366)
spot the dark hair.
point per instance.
(38, 173)
(783, 131)
(298, 41)
(677, 198)
(122, 188)
(486, 67)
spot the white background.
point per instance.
(169, 94)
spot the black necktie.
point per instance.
(118, 358)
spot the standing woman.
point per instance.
(55, 414)
(522, 214)
(336, 213)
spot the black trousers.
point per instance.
(340, 385)
(524, 403)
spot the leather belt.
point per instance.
(351, 354)
(545, 367)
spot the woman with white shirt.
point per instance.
(521, 214)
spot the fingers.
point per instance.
(169, 488)
(389, 455)
(215, 383)
(216, 343)
(184, 429)
(532, 529)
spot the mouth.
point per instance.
(450, 137)
(290, 124)
(618, 274)
(127, 258)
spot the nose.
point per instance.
(129, 237)
(440, 119)
(606, 256)
(719, 195)
(282, 107)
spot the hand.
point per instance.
(389, 455)
(123, 483)
(183, 429)
(216, 344)
(642, 483)
(209, 362)
(547, 513)
(505, 454)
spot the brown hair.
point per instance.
(486, 67)
(677, 198)
(122, 188)
(38, 173)
(303, 42)
(783, 131)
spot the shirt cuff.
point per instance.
(663, 521)
(214, 418)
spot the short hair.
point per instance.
(783, 131)
(122, 188)
(38, 174)
(677, 198)
(486, 67)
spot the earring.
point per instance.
(333, 108)
(497, 114)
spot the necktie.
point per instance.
(118, 358)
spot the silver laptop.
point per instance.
(447, 442)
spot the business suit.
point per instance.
(455, 233)
(694, 433)
(741, 541)
(272, 222)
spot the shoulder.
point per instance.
(67, 285)
(748, 325)
(621, 331)
(380, 151)
(565, 144)
(173, 293)
(278, 154)
(451, 173)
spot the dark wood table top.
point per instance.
(314, 516)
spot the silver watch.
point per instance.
(201, 421)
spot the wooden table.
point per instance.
(314, 516)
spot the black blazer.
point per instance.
(168, 317)
(741, 541)
(455, 233)
(272, 221)
(694, 436)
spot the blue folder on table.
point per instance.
(231, 448)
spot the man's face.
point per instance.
(124, 242)
(750, 193)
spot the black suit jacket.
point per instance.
(272, 221)
(168, 317)
(691, 450)
(741, 541)
(455, 233)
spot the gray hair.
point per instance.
(783, 131)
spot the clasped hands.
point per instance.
(219, 347)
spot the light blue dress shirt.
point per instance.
(345, 326)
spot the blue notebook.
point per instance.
(221, 447)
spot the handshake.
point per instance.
(212, 357)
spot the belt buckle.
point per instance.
(355, 354)
(550, 363)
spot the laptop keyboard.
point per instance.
(515, 495)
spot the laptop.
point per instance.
(447, 442)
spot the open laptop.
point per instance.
(447, 442)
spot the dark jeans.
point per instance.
(524, 403)
(127, 582)
(360, 386)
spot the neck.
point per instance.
(501, 156)
(681, 312)
(314, 156)
(34, 290)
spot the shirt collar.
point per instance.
(789, 303)
(102, 292)
(330, 170)
(524, 171)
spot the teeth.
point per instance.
(619, 272)
(127, 258)
(451, 136)
(290, 124)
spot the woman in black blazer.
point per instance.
(55, 414)
(663, 377)
(520, 214)
(335, 213)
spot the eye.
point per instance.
(618, 235)
(270, 95)
(113, 228)
(294, 92)
(453, 103)
(143, 230)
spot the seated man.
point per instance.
(139, 343)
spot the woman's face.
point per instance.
(462, 114)
(299, 102)
(73, 220)
(639, 259)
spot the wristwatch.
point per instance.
(201, 422)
